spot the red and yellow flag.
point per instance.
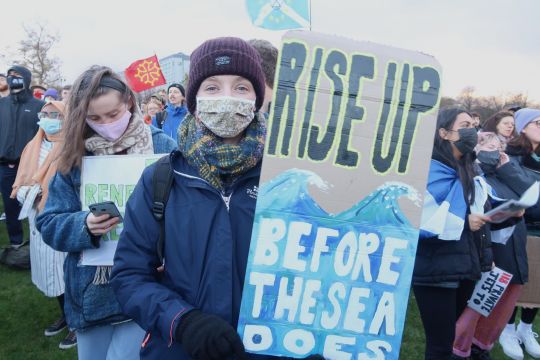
(144, 74)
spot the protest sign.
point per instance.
(488, 290)
(110, 178)
(349, 141)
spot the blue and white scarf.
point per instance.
(445, 209)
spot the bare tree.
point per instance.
(517, 99)
(466, 98)
(35, 54)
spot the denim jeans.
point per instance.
(110, 342)
(12, 208)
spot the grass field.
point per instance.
(26, 312)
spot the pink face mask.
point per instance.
(111, 131)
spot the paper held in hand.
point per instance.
(511, 207)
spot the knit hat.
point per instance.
(179, 87)
(224, 56)
(51, 92)
(524, 116)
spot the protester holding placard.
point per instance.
(102, 119)
(190, 305)
(36, 168)
(454, 246)
(476, 334)
(519, 174)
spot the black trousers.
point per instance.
(11, 206)
(439, 310)
(527, 315)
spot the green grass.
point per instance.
(26, 312)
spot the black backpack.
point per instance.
(162, 181)
(160, 118)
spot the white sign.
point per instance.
(110, 178)
(488, 290)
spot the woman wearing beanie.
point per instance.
(519, 174)
(36, 168)
(189, 307)
(170, 119)
(102, 119)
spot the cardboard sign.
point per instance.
(110, 178)
(349, 141)
(488, 291)
(530, 296)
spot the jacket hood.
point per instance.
(25, 73)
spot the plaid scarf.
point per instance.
(218, 163)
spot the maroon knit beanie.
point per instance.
(224, 56)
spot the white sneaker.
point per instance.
(510, 344)
(528, 338)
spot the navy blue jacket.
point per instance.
(207, 237)
(512, 256)
(63, 227)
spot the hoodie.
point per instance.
(18, 119)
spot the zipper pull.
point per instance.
(226, 200)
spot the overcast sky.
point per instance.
(493, 45)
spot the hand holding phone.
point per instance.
(106, 207)
(103, 218)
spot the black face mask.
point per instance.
(489, 158)
(468, 138)
(16, 83)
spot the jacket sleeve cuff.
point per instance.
(93, 239)
(175, 324)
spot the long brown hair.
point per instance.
(491, 123)
(523, 145)
(88, 86)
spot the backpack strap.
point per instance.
(162, 182)
(160, 118)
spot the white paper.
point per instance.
(29, 201)
(509, 208)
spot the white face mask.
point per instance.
(225, 116)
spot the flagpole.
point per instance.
(310, 15)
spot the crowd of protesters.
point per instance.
(214, 129)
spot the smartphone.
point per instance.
(106, 207)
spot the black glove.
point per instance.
(208, 337)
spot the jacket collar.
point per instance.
(176, 110)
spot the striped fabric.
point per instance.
(47, 265)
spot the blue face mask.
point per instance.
(50, 126)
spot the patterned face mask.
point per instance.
(225, 116)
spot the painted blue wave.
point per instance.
(288, 192)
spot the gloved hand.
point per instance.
(208, 337)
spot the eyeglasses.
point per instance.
(50, 115)
(537, 123)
